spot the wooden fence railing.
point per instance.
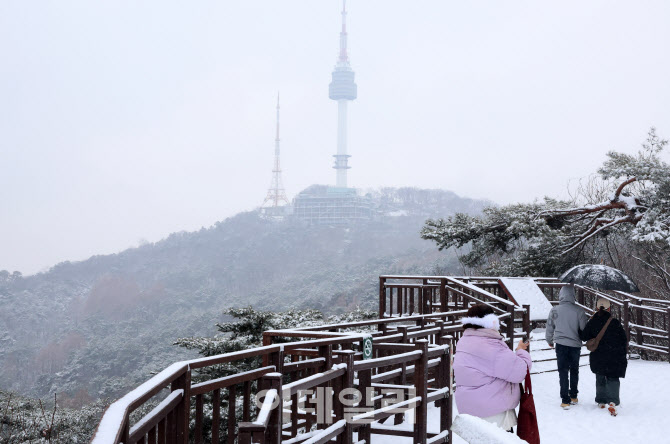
(647, 326)
(402, 296)
(409, 367)
(646, 320)
(410, 356)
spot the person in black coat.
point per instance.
(608, 361)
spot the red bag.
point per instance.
(527, 420)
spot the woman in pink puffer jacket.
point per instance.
(486, 372)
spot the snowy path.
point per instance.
(642, 418)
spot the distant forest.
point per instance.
(96, 328)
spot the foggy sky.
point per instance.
(124, 121)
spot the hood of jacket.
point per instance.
(483, 332)
(567, 295)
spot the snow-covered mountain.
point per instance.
(98, 327)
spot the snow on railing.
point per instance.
(271, 397)
(503, 301)
(157, 413)
(474, 430)
(112, 423)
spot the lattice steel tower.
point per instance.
(342, 88)
(276, 194)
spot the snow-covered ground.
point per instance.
(642, 418)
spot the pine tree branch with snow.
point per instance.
(631, 201)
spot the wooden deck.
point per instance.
(324, 387)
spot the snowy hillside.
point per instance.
(83, 327)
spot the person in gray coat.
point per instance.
(564, 324)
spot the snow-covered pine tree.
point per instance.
(627, 207)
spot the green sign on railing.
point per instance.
(367, 347)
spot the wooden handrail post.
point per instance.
(438, 336)
(277, 359)
(526, 322)
(403, 330)
(365, 388)
(382, 297)
(640, 321)
(198, 419)
(267, 340)
(346, 383)
(626, 320)
(248, 429)
(421, 385)
(450, 399)
(426, 297)
(273, 432)
(390, 306)
(444, 374)
(216, 415)
(125, 434)
(183, 409)
(326, 352)
(443, 296)
(244, 435)
(400, 417)
(510, 326)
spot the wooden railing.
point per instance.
(412, 341)
(647, 326)
(646, 320)
(414, 359)
(403, 296)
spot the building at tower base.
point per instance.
(323, 205)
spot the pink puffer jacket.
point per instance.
(487, 373)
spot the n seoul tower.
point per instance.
(343, 89)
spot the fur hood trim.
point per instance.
(489, 321)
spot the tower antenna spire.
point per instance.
(344, 58)
(277, 136)
(342, 88)
(276, 195)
